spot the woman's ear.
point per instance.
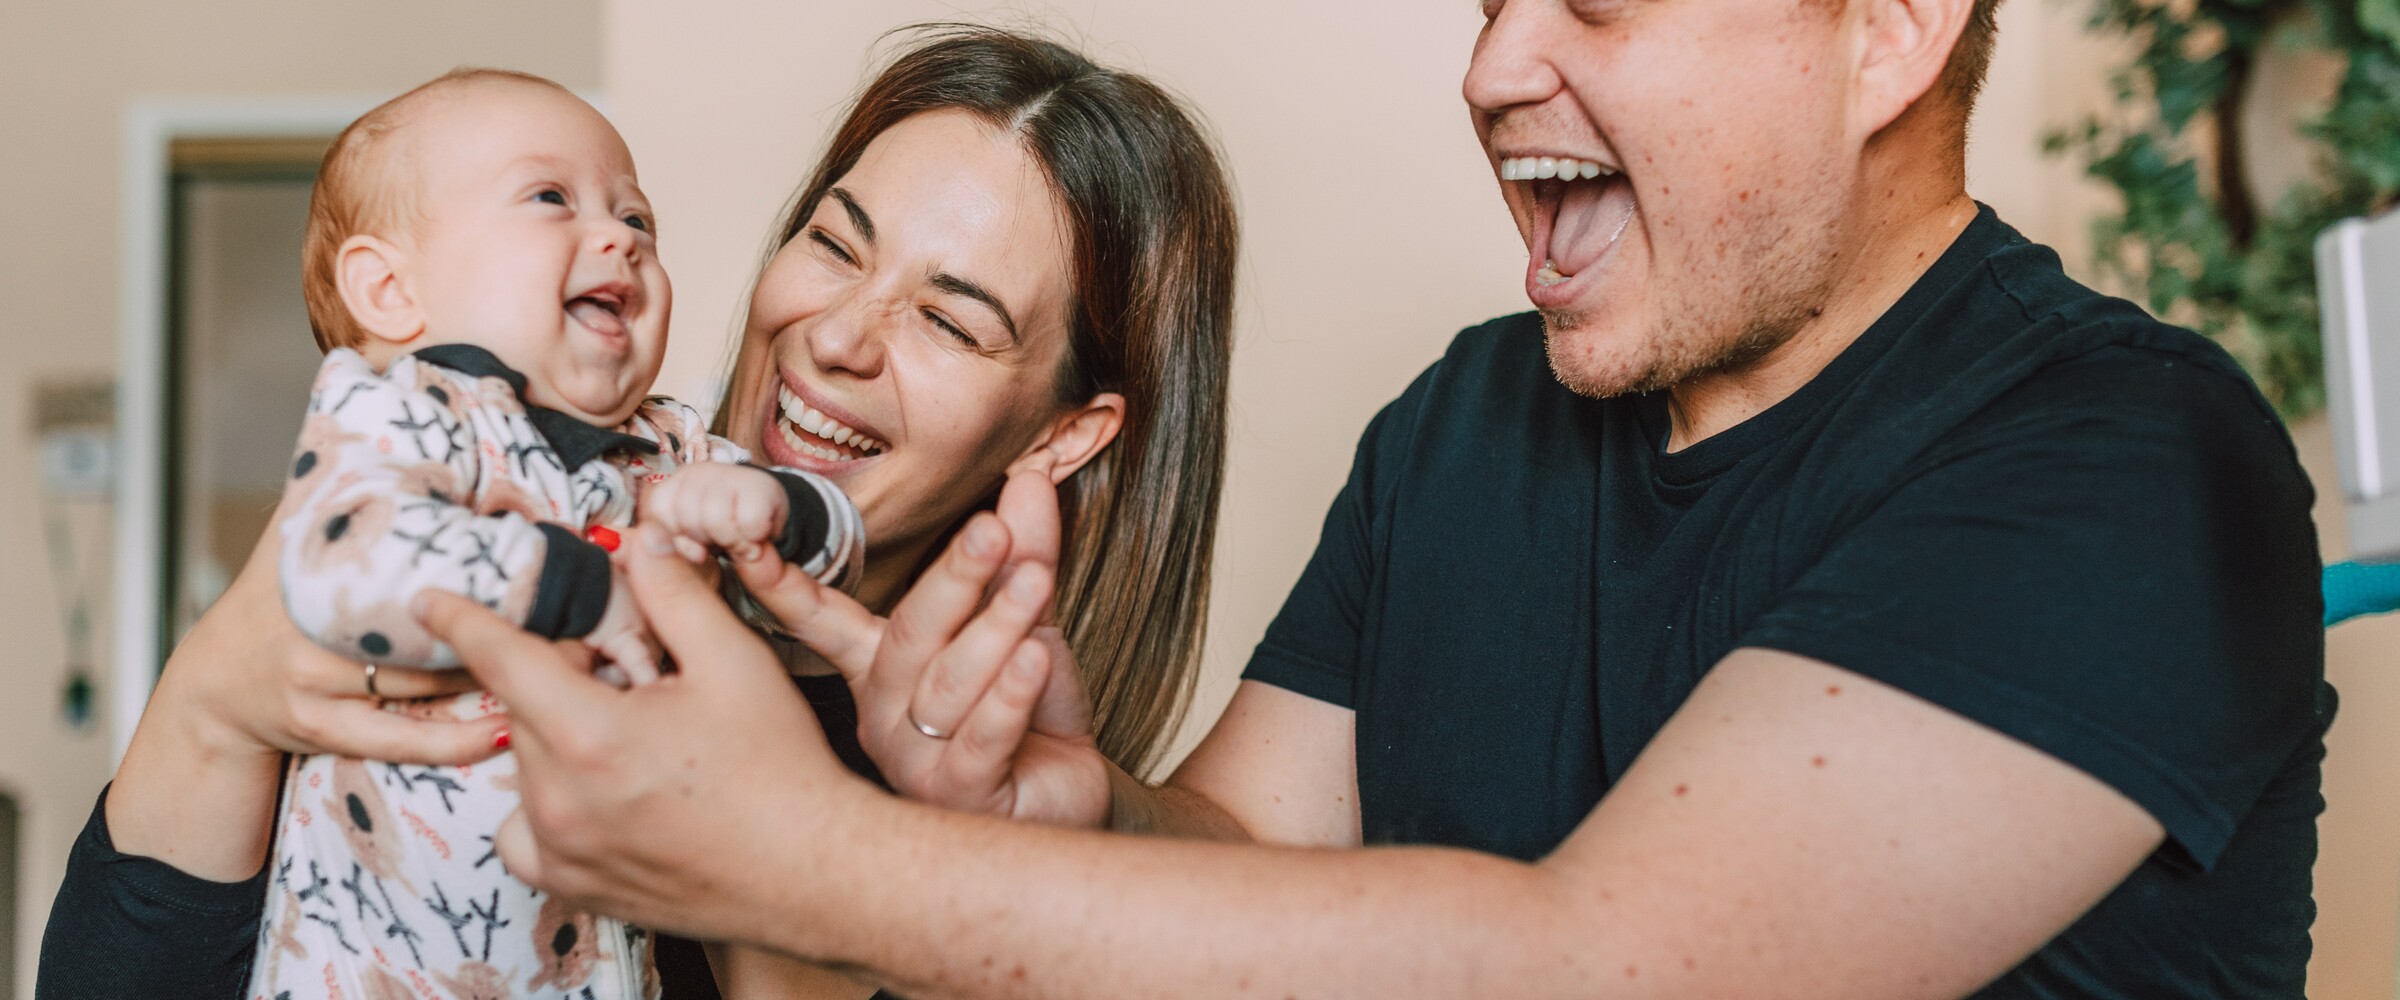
(1075, 438)
(373, 277)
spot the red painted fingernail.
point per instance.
(500, 742)
(605, 538)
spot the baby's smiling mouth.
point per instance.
(602, 310)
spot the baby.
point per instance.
(482, 271)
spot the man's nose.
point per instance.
(1512, 64)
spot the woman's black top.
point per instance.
(127, 926)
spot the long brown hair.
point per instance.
(1151, 219)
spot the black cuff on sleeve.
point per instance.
(573, 590)
(805, 521)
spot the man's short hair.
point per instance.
(1962, 77)
(359, 190)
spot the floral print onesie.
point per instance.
(437, 474)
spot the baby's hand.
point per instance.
(623, 639)
(736, 508)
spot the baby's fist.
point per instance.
(738, 509)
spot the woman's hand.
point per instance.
(260, 685)
(964, 703)
(681, 804)
(197, 786)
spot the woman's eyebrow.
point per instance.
(956, 285)
(858, 216)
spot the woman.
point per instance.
(1008, 260)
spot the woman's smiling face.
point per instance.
(908, 341)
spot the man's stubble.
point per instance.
(1702, 330)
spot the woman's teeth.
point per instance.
(799, 416)
(1542, 168)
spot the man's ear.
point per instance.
(372, 274)
(1075, 438)
(1903, 47)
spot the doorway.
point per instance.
(240, 357)
(214, 359)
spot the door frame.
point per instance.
(145, 256)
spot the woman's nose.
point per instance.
(851, 337)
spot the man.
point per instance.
(1821, 597)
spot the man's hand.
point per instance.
(663, 803)
(623, 639)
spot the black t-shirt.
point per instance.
(2013, 497)
(128, 926)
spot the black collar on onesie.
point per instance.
(575, 442)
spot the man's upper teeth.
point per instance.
(1531, 168)
(809, 419)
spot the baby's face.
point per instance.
(535, 243)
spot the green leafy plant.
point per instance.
(2193, 238)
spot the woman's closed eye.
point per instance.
(831, 246)
(946, 326)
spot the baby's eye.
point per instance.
(638, 222)
(550, 196)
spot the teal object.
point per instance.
(2353, 589)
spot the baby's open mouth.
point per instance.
(1580, 208)
(816, 435)
(601, 311)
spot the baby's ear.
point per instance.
(374, 276)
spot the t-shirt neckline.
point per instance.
(1978, 240)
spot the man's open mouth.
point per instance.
(1580, 209)
(812, 433)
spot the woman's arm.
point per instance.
(161, 868)
(197, 786)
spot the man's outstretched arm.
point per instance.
(1795, 830)
(1278, 768)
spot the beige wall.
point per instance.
(67, 71)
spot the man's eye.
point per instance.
(1595, 12)
(550, 196)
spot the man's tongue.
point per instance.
(1591, 215)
